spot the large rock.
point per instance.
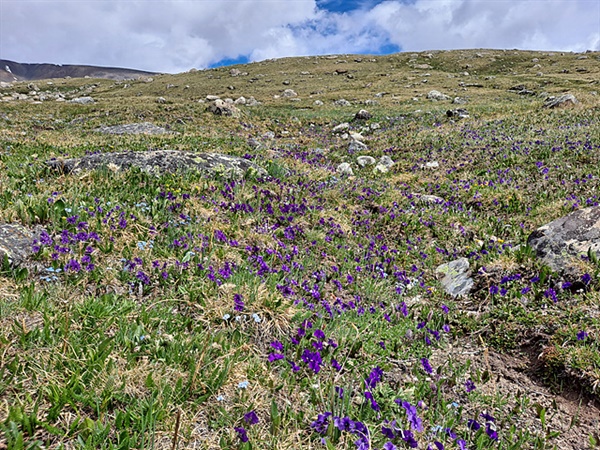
(83, 100)
(564, 101)
(456, 281)
(15, 243)
(562, 242)
(437, 96)
(160, 161)
(222, 108)
(133, 128)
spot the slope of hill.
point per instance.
(308, 308)
(13, 71)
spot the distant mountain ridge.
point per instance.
(13, 71)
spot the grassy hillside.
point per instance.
(303, 309)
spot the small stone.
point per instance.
(456, 281)
(83, 100)
(365, 160)
(288, 93)
(161, 100)
(341, 127)
(342, 102)
(432, 165)
(318, 103)
(345, 169)
(356, 147)
(437, 96)
(386, 161)
(363, 114)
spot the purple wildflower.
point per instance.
(413, 419)
(490, 429)
(238, 302)
(582, 335)
(374, 377)
(335, 364)
(275, 357)
(473, 425)
(374, 404)
(426, 366)
(320, 425)
(251, 418)
(242, 433)
(469, 385)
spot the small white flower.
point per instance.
(256, 318)
(220, 398)
(226, 317)
(243, 384)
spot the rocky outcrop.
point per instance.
(133, 128)
(15, 243)
(161, 161)
(437, 96)
(563, 101)
(222, 108)
(564, 241)
(456, 281)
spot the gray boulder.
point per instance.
(384, 165)
(161, 161)
(365, 160)
(437, 96)
(289, 93)
(222, 108)
(345, 169)
(458, 113)
(566, 100)
(15, 243)
(83, 100)
(363, 114)
(342, 102)
(456, 281)
(561, 243)
(133, 128)
(357, 146)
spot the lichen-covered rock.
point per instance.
(15, 243)
(365, 160)
(133, 128)
(222, 108)
(345, 169)
(563, 241)
(437, 96)
(160, 161)
(456, 281)
(562, 101)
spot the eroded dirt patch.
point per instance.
(572, 413)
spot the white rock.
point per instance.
(365, 160)
(341, 127)
(83, 100)
(345, 169)
(437, 96)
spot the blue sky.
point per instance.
(177, 35)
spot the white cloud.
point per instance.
(176, 35)
(570, 25)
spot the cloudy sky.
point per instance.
(177, 35)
